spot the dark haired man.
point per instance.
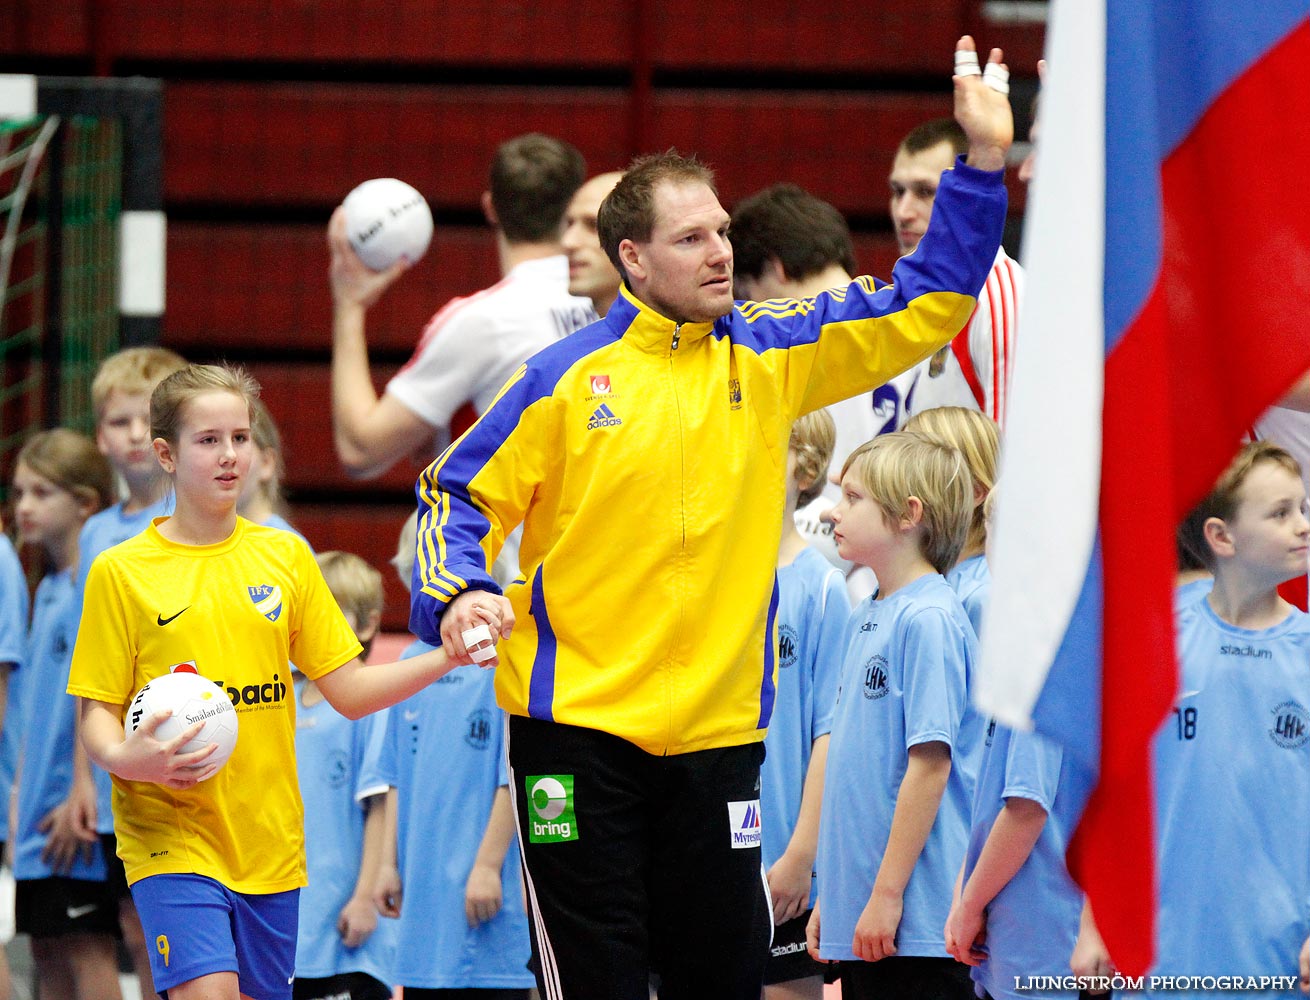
(786, 243)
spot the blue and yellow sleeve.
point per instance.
(852, 339)
(473, 496)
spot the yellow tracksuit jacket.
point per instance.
(646, 462)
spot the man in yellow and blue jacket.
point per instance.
(645, 458)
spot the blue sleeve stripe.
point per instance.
(767, 689)
(541, 687)
(432, 546)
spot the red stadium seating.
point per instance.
(777, 35)
(291, 144)
(249, 286)
(299, 399)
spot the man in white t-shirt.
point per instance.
(474, 343)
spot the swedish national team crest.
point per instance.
(267, 600)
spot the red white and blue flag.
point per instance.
(1168, 254)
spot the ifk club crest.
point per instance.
(267, 600)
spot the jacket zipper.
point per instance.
(682, 514)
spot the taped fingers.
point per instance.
(997, 77)
(479, 643)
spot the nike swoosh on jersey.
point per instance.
(81, 911)
(164, 621)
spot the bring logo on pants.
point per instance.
(551, 817)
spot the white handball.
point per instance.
(192, 699)
(386, 219)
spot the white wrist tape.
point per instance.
(996, 77)
(966, 63)
(474, 639)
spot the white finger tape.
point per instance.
(478, 642)
(966, 62)
(997, 78)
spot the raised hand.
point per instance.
(983, 111)
(352, 282)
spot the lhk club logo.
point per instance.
(551, 817)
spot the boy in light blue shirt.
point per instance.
(120, 397)
(1232, 761)
(1016, 909)
(899, 782)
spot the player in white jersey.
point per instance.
(974, 370)
(474, 343)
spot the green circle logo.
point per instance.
(548, 798)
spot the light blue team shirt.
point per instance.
(13, 650)
(278, 521)
(812, 613)
(445, 756)
(1232, 800)
(47, 761)
(1188, 594)
(1032, 923)
(103, 530)
(904, 681)
(972, 582)
(336, 760)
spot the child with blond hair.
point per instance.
(342, 951)
(899, 782)
(812, 613)
(976, 437)
(120, 400)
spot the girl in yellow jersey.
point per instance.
(215, 858)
